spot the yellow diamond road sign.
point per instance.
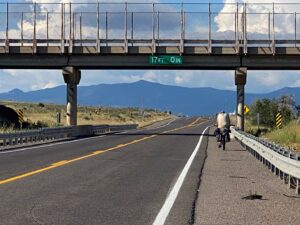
(246, 109)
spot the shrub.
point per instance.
(41, 105)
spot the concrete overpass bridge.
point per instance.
(149, 36)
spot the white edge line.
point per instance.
(166, 208)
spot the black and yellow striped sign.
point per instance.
(21, 116)
(278, 119)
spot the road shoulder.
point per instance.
(230, 175)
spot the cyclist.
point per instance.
(223, 126)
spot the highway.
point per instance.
(123, 178)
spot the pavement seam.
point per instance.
(193, 213)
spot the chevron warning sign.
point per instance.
(21, 116)
(278, 120)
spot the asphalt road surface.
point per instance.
(127, 178)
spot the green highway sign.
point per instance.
(165, 60)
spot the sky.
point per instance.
(258, 81)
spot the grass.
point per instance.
(288, 136)
(87, 115)
(254, 130)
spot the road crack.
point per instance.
(33, 217)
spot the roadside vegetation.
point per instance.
(288, 135)
(39, 115)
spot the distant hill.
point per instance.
(190, 101)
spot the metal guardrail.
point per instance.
(59, 133)
(283, 163)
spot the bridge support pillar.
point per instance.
(72, 78)
(240, 81)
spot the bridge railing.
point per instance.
(282, 162)
(8, 140)
(150, 24)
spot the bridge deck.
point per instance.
(137, 57)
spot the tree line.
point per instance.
(268, 108)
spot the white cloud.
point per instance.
(44, 85)
(266, 81)
(259, 23)
(296, 83)
(29, 80)
(268, 78)
(11, 72)
(179, 80)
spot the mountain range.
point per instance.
(187, 101)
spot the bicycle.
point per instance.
(222, 137)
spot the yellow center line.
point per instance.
(64, 162)
(60, 163)
(98, 152)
